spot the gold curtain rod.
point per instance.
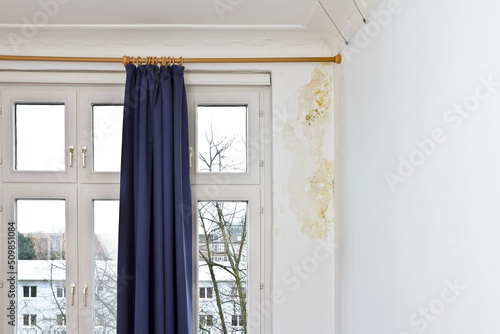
(169, 60)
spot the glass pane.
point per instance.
(222, 139)
(41, 264)
(107, 123)
(40, 137)
(222, 270)
(106, 255)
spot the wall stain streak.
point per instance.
(310, 183)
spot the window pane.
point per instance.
(40, 137)
(107, 123)
(222, 272)
(41, 261)
(106, 254)
(222, 139)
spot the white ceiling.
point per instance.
(92, 23)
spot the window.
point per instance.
(229, 183)
(30, 152)
(61, 320)
(60, 186)
(206, 292)
(29, 291)
(206, 321)
(218, 247)
(61, 189)
(222, 148)
(237, 320)
(35, 148)
(238, 290)
(106, 137)
(225, 132)
(29, 320)
(220, 258)
(61, 292)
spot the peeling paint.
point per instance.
(310, 182)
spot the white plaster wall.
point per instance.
(302, 261)
(302, 252)
(403, 248)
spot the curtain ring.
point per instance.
(138, 59)
(125, 60)
(182, 61)
(173, 61)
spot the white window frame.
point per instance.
(12, 193)
(227, 96)
(87, 99)
(72, 185)
(204, 88)
(86, 236)
(10, 97)
(253, 187)
(253, 198)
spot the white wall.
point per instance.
(401, 248)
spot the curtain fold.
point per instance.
(155, 233)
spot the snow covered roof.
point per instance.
(41, 270)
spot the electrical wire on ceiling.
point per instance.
(359, 10)
(336, 27)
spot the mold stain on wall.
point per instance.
(310, 182)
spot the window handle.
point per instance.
(73, 286)
(84, 156)
(85, 290)
(190, 157)
(71, 155)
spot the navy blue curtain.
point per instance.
(154, 250)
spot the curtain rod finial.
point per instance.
(337, 59)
